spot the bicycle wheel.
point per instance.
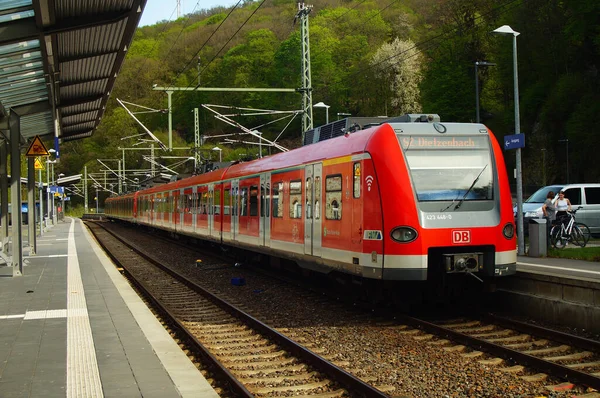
(577, 236)
(585, 231)
(556, 238)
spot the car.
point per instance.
(585, 196)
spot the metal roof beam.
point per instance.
(67, 114)
(79, 101)
(70, 24)
(34, 107)
(76, 82)
(86, 56)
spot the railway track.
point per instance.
(338, 332)
(253, 358)
(502, 340)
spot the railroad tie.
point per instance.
(542, 351)
(535, 378)
(295, 388)
(570, 357)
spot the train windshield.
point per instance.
(450, 168)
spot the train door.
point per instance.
(235, 197)
(312, 213)
(202, 209)
(176, 212)
(217, 212)
(226, 212)
(209, 207)
(265, 214)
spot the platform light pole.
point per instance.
(507, 30)
(220, 153)
(544, 165)
(477, 64)
(322, 105)
(566, 140)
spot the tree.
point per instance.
(397, 68)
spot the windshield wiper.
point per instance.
(471, 187)
(451, 203)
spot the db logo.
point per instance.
(461, 236)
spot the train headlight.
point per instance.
(509, 230)
(403, 234)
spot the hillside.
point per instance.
(368, 57)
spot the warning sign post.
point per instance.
(37, 148)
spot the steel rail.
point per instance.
(233, 382)
(346, 380)
(554, 369)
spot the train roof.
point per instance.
(333, 148)
(340, 146)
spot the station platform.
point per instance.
(71, 326)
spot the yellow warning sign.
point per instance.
(37, 148)
(38, 164)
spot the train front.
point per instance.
(457, 219)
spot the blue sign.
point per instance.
(57, 189)
(57, 153)
(514, 141)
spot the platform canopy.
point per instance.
(59, 60)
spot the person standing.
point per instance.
(563, 205)
(549, 210)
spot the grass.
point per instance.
(577, 253)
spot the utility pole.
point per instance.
(85, 189)
(306, 89)
(197, 143)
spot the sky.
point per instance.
(160, 10)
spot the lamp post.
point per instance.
(477, 64)
(566, 140)
(544, 165)
(62, 198)
(322, 105)
(97, 198)
(48, 171)
(507, 30)
(220, 153)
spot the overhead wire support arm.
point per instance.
(163, 146)
(232, 89)
(243, 128)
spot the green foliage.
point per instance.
(558, 58)
(144, 47)
(76, 212)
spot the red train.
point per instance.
(398, 201)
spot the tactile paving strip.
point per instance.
(83, 377)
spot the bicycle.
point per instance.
(564, 232)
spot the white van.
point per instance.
(586, 196)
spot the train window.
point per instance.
(308, 198)
(234, 192)
(333, 197)
(278, 199)
(268, 201)
(195, 202)
(188, 203)
(317, 209)
(226, 201)
(296, 199)
(217, 201)
(264, 200)
(356, 173)
(254, 200)
(243, 201)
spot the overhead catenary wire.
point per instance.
(194, 57)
